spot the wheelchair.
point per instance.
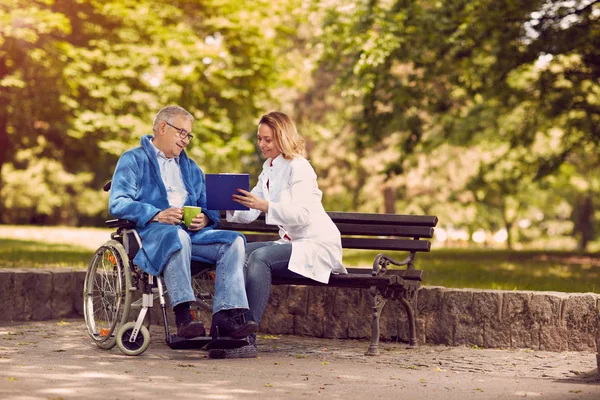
(114, 287)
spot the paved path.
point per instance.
(56, 360)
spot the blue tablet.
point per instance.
(220, 187)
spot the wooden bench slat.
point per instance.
(411, 274)
(385, 230)
(256, 226)
(361, 243)
(364, 218)
(346, 280)
(250, 237)
(408, 274)
(345, 229)
(386, 244)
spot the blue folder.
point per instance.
(220, 187)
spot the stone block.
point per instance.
(340, 311)
(428, 307)
(394, 322)
(312, 323)
(515, 313)
(297, 298)
(553, 338)
(79, 279)
(359, 302)
(487, 312)
(277, 318)
(456, 323)
(496, 334)
(487, 305)
(545, 307)
(63, 294)
(33, 291)
(8, 298)
(580, 315)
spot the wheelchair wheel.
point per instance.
(106, 295)
(203, 285)
(141, 343)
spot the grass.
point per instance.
(500, 269)
(59, 247)
(15, 253)
(49, 247)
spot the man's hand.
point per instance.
(171, 216)
(198, 222)
(251, 200)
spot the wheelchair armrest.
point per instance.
(120, 223)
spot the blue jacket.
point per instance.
(137, 193)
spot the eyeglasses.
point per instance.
(182, 132)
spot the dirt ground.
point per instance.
(57, 360)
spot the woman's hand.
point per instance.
(251, 200)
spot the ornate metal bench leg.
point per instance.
(378, 302)
(412, 330)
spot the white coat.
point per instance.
(295, 206)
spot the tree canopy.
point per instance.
(483, 112)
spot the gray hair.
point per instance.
(167, 113)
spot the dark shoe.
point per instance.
(230, 323)
(248, 351)
(191, 329)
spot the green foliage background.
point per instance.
(485, 113)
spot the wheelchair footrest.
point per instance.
(177, 342)
(180, 343)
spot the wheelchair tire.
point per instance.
(142, 341)
(106, 294)
(203, 285)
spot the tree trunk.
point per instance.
(508, 227)
(389, 199)
(4, 141)
(584, 221)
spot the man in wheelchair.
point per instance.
(150, 185)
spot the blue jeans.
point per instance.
(264, 259)
(229, 280)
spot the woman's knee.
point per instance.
(258, 261)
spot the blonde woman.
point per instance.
(288, 193)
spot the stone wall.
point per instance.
(550, 321)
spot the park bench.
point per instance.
(385, 232)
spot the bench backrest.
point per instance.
(359, 230)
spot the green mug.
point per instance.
(190, 212)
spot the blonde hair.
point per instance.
(285, 134)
